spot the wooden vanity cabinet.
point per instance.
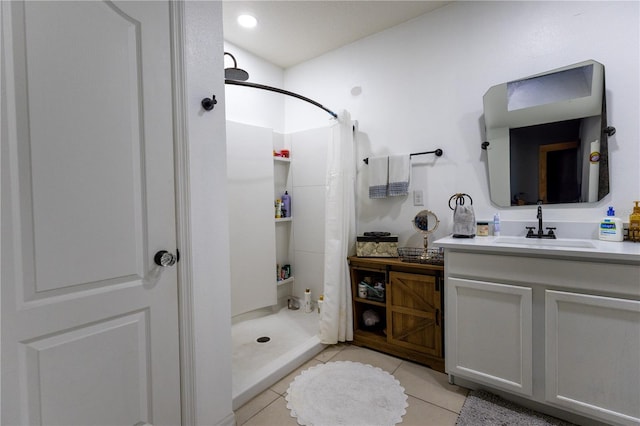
(411, 317)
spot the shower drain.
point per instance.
(263, 339)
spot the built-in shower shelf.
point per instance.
(287, 281)
(284, 219)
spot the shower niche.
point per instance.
(283, 229)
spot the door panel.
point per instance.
(113, 353)
(592, 355)
(489, 333)
(89, 329)
(413, 313)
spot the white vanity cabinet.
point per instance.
(555, 328)
(592, 361)
(490, 339)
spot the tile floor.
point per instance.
(432, 400)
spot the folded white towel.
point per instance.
(399, 173)
(378, 177)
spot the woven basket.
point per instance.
(415, 255)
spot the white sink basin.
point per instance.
(537, 242)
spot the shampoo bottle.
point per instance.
(286, 204)
(611, 227)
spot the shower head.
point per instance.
(235, 73)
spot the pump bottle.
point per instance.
(611, 227)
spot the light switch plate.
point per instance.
(417, 198)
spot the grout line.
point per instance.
(434, 404)
(262, 409)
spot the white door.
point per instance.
(89, 330)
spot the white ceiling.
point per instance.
(291, 32)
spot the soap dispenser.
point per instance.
(611, 227)
(634, 223)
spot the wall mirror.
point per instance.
(547, 137)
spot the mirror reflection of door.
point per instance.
(558, 173)
(565, 104)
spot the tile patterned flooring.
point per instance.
(432, 400)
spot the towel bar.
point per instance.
(437, 152)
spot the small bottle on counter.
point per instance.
(496, 224)
(634, 223)
(307, 301)
(320, 302)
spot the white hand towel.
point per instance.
(399, 173)
(378, 177)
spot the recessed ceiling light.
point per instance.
(247, 21)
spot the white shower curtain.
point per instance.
(336, 322)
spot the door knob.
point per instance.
(164, 258)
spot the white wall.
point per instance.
(308, 170)
(421, 86)
(206, 255)
(252, 246)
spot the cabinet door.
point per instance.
(413, 312)
(489, 333)
(593, 355)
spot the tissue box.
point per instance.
(377, 246)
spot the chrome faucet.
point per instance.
(540, 234)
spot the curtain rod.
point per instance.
(437, 152)
(284, 92)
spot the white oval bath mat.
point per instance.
(346, 393)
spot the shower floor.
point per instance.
(256, 366)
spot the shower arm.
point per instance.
(284, 92)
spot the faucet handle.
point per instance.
(530, 231)
(551, 233)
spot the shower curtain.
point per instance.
(336, 322)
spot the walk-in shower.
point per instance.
(268, 339)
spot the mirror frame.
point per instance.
(500, 118)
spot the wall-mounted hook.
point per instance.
(209, 103)
(485, 144)
(610, 130)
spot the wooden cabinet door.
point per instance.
(414, 312)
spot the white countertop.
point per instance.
(607, 251)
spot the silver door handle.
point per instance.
(164, 258)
